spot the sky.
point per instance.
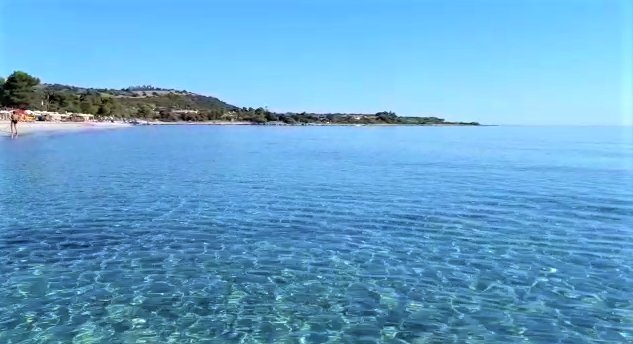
(531, 62)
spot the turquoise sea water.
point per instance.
(318, 235)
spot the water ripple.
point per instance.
(326, 235)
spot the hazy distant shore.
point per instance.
(29, 128)
(309, 124)
(201, 123)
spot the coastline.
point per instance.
(312, 124)
(30, 128)
(198, 123)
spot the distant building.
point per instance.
(184, 112)
(25, 115)
(81, 117)
(5, 115)
(60, 117)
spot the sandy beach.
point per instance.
(29, 128)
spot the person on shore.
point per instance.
(15, 118)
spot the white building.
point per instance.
(58, 117)
(5, 115)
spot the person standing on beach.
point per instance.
(15, 118)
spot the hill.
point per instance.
(153, 103)
(62, 97)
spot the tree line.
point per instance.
(21, 90)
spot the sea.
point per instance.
(256, 234)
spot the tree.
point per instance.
(387, 116)
(214, 114)
(88, 107)
(62, 101)
(271, 116)
(89, 103)
(145, 111)
(19, 90)
(1, 90)
(109, 107)
(258, 119)
(287, 119)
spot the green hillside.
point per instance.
(147, 102)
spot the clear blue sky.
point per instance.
(493, 61)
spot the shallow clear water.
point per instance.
(318, 234)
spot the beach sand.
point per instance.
(29, 128)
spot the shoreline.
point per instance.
(314, 124)
(30, 128)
